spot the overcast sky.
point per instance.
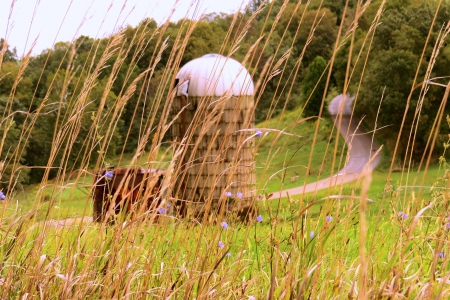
(51, 21)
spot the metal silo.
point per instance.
(214, 108)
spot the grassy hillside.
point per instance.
(284, 151)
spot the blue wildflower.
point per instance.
(109, 174)
(162, 210)
(311, 234)
(239, 195)
(329, 218)
(440, 254)
(229, 194)
(259, 133)
(228, 254)
(370, 200)
(403, 215)
(224, 225)
(259, 219)
(2, 196)
(220, 244)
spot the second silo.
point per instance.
(214, 106)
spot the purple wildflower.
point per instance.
(162, 210)
(440, 254)
(311, 234)
(229, 194)
(259, 133)
(224, 225)
(228, 254)
(168, 205)
(239, 195)
(259, 219)
(403, 215)
(109, 174)
(2, 196)
(329, 218)
(370, 200)
(220, 244)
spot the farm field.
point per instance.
(168, 253)
(327, 231)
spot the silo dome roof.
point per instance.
(216, 75)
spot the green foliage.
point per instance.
(393, 62)
(8, 56)
(292, 36)
(314, 86)
(10, 131)
(207, 37)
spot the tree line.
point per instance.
(294, 45)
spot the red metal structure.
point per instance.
(129, 189)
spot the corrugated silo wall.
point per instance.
(217, 158)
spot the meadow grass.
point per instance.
(332, 244)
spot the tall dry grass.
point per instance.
(289, 255)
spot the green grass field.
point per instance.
(174, 256)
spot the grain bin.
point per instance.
(213, 126)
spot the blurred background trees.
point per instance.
(296, 44)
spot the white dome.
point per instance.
(215, 75)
